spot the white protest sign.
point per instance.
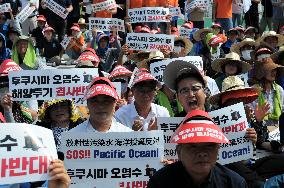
(149, 42)
(244, 78)
(56, 8)
(25, 13)
(50, 83)
(5, 7)
(81, 102)
(124, 156)
(274, 135)
(105, 5)
(184, 32)
(64, 43)
(157, 68)
(202, 4)
(232, 120)
(175, 11)
(26, 151)
(132, 77)
(106, 24)
(148, 14)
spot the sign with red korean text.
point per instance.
(106, 24)
(148, 14)
(185, 32)
(105, 5)
(123, 156)
(26, 151)
(157, 68)
(25, 13)
(232, 120)
(149, 42)
(50, 83)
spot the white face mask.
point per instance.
(177, 49)
(246, 54)
(263, 56)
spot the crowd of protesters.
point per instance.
(242, 42)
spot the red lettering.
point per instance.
(43, 164)
(75, 154)
(31, 169)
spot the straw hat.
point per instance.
(232, 56)
(247, 41)
(140, 56)
(261, 68)
(271, 34)
(82, 21)
(234, 87)
(153, 56)
(275, 55)
(187, 42)
(197, 34)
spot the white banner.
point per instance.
(25, 13)
(106, 24)
(26, 151)
(5, 7)
(56, 8)
(184, 32)
(203, 4)
(232, 120)
(148, 14)
(50, 83)
(274, 135)
(64, 43)
(157, 68)
(149, 42)
(106, 5)
(175, 11)
(123, 156)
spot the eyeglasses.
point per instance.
(186, 90)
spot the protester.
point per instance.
(76, 46)
(222, 13)
(37, 33)
(250, 32)
(271, 39)
(5, 52)
(141, 115)
(232, 39)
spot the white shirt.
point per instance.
(127, 114)
(86, 126)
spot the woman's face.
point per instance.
(231, 69)
(48, 35)
(60, 112)
(271, 75)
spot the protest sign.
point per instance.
(158, 68)
(50, 83)
(148, 14)
(202, 4)
(123, 156)
(184, 32)
(175, 11)
(274, 135)
(106, 24)
(56, 8)
(105, 5)
(25, 13)
(149, 42)
(64, 43)
(5, 7)
(232, 120)
(26, 151)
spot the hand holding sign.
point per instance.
(58, 174)
(251, 135)
(6, 102)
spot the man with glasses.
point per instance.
(141, 115)
(101, 99)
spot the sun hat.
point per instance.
(230, 57)
(177, 68)
(262, 68)
(197, 34)
(234, 87)
(247, 41)
(271, 34)
(142, 77)
(198, 127)
(188, 44)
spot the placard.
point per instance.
(64, 43)
(184, 32)
(157, 68)
(25, 13)
(148, 14)
(56, 8)
(106, 24)
(232, 120)
(105, 5)
(123, 156)
(50, 83)
(5, 7)
(149, 42)
(26, 151)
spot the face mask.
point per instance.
(246, 54)
(262, 56)
(177, 49)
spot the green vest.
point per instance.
(164, 101)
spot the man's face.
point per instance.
(41, 24)
(198, 158)
(272, 41)
(232, 36)
(103, 43)
(22, 46)
(48, 35)
(191, 94)
(144, 93)
(101, 107)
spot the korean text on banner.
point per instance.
(106, 24)
(158, 68)
(149, 42)
(105, 5)
(26, 151)
(5, 7)
(148, 14)
(25, 13)
(64, 43)
(202, 4)
(232, 120)
(123, 156)
(175, 11)
(184, 32)
(56, 8)
(50, 83)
